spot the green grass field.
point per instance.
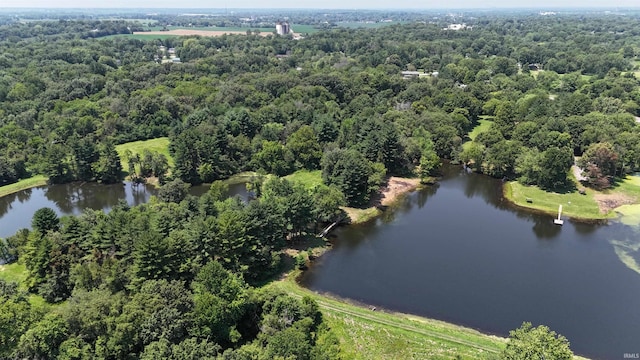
(38, 180)
(573, 204)
(160, 145)
(367, 334)
(304, 29)
(576, 205)
(13, 272)
(483, 125)
(309, 179)
(16, 272)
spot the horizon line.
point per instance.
(599, 7)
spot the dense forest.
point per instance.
(175, 278)
(276, 104)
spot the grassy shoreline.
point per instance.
(574, 205)
(624, 197)
(34, 181)
(368, 334)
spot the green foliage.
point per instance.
(352, 173)
(108, 168)
(45, 219)
(555, 167)
(274, 158)
(336, 102)
(529, 343)
(304, 146)
(174, 191)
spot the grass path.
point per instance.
(38, 180)
(367, 334)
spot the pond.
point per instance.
(16, 210)
(459, 252)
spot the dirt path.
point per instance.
(577, 172)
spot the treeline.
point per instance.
(67, 29)
(277, 105)
(168, 279)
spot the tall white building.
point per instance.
(282, 28)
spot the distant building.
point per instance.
(417, 74)
(282, 28)
(456, 27)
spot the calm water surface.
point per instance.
(16, 210)
(459, 253)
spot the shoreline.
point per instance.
(347, 316)
(574, 206)
(395, 188)
(24, 184)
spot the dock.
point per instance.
(329, 228)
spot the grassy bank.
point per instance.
(576, 205)
(242, 177)
(367, 334)
(23, 184)
(573, 204)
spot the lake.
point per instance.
(16, 210)
(459, 252)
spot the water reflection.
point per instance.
(459, 252)
(16, 210)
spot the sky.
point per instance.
(319, 4)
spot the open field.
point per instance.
(23, 184)
(159, 32)
(309, 179)
(367, 334)
(160, 145)
(368, 25)
(192, 32)
(483, 125)
(140, 36)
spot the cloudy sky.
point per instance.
(323, 4)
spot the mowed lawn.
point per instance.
(573, 204)
(160, 145)
(38, 180)
(309, 179)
